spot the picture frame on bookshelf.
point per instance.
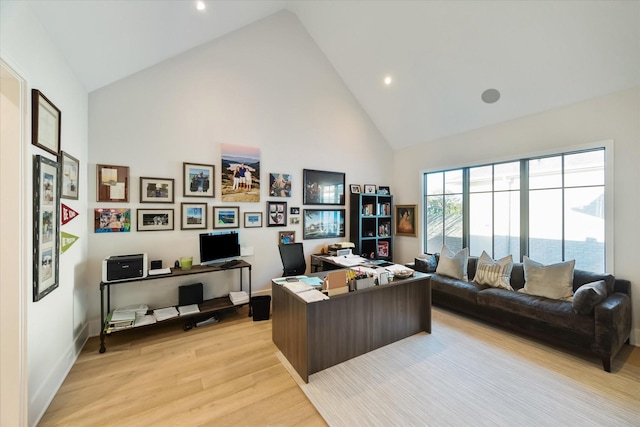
(252, 219)
(383, 190)
(383, 249)
(154, 219)
(226, 217)
(369, 189)
(355, 188)
(323, 187)
(405, 220)
(193, 216)
(323, 223)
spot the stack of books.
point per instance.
(238, 298)
(125, 317)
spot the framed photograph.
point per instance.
(226, 217)
(280, 185)
(323, 188)
(383, 190)
(355, 188)
(294, 211)
(323, 223)
(286, 237)
(198, 180)
(405, 223)
(113, 183)
(276, 214)
(193, 216)
(252, 219)
(240, 174)
(70, 174)
(46, 120)
(155, 219)
(46, 226)
(369, 189)
(112, 220)
(294, 220)
(156, 190)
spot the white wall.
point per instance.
(56, 325)
(267, 85)
(616, 117)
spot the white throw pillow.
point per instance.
(496, 274)
(453, 265)
(552, 281)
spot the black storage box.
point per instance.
(261, 306)
(190, 294)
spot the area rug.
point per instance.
(449, 378)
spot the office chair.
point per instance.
(293, 263)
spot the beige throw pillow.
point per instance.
(552, 281)
(453, 265)
(496, 274)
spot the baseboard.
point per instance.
(635, 337)
(50, 386)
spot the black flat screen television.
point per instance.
(218, 248)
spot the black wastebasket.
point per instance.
(261, 307)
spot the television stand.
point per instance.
(208, 307)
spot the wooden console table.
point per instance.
(315, 336)
(207, 307)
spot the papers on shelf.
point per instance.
(188, 309)
(348, 260)
(136, 309)
(239, 297)
(147, 319)
(165, 313)
(159, 271)
(123, 316)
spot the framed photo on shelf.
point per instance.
(286, 237)
(198, 180)
(112, 220)
(355, 188)
(405, 220)
(70, 175)
(155, 219)
(156, 190)
(252, 219)
(46, 120)
(113, 183)
(46, 226)
(193, 216)
(276, 214)
(369, 189)
(323, 223)
(383, 190)
(226, 217)
(323, 188)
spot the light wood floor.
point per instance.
(228, 374)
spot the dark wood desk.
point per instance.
(322, 334)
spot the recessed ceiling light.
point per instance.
(200, 5)
(490, 96)
(387, 80)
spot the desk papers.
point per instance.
(239, 297)
(165, 313)
(188, 309)
(348, 260)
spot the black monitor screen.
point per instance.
(218, 247)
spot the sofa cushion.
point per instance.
(588, 296)
(457, 288)
(581, 277)
(552, 281)
(496, 274)
(517, 276)
(426, 265)
(453, 265)
(553, 311)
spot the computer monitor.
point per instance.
(219, 247)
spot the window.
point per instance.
(550, 208)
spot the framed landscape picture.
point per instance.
(156, 190)
(193, 216)
(226, 217)
(252, 219)
(323, 188)
(323, 223)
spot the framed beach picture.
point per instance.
(70, 175)
(155, 219)
(240, 173)
(156, 190)
(193, 216)
(252, 219)
(322, 187)
(323, 223)
(198, 180)
(46, 226)
(226, 217)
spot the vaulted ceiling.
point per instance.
(441, 55)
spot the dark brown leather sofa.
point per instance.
(601, 333)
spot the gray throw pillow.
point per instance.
(553, 281)
(453, 265)
(588, 296)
